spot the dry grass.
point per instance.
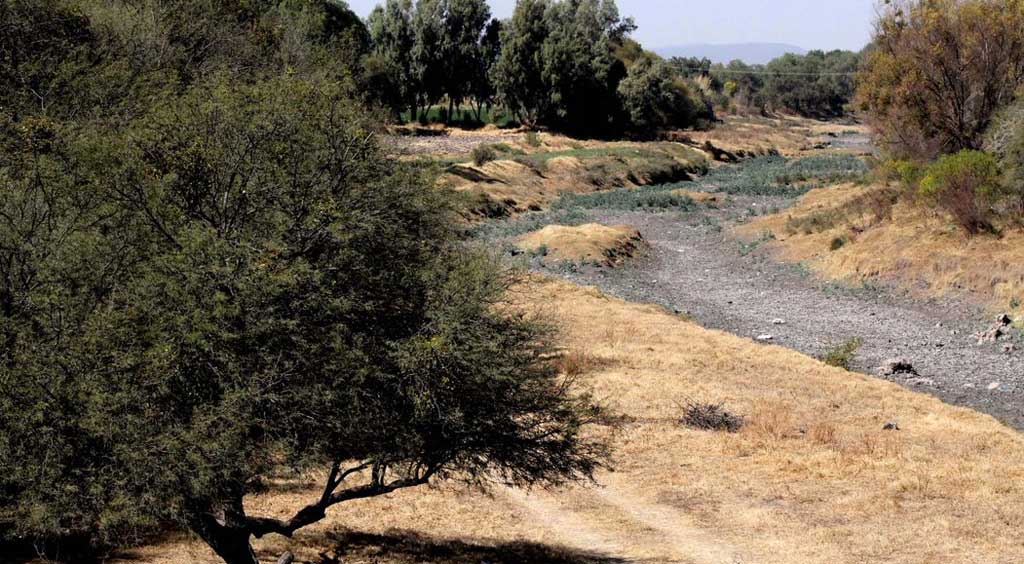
(526, 178)
(811, 477)
(592, 243)
(790, 136)
(911, 248)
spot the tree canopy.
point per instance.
(212, 273)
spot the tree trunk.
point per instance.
(230, 542)
(451, 110)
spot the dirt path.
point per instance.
(611, 521)
(697, 268)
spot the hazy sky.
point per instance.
(812, 24)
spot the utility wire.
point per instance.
(773, 73)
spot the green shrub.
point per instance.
(965, 185)
(837, 243)
(841, 356)
(483, 154)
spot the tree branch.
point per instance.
(261, 526)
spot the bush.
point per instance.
(841, 356)
(710, 417)
(483, 154)
(837, 243)
(965, 185)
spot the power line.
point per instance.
(773, 73)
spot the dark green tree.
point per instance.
(393, 40)
(242, 283)
(518, 74)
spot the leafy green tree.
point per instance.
(464, 25)
(518, 72)
(240, 284)
(580, 68)
(393, 40)
(655, 96)
(482, 86)
(428, 55)
(817, 84)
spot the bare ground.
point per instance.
(698, 268)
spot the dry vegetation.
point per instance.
(521, 177)
(811, 476)
(585, 244)
(902, 244)
(789, 135)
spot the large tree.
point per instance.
(242, 284)
(393, 39)
(938, 70)
(518, 74)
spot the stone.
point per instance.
(1009, 348)
(765, 338)
(990, 336)
(1004, 319)
(896, 366)
(778, 321)
(993, 386)
(891, 426)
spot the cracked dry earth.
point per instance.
(697, 268)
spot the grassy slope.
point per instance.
(918, 250)
(811, 478)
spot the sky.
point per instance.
(811, 24)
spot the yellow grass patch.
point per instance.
(811, 478)
(592, 243)
(915, 249)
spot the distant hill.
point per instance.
(752, 53)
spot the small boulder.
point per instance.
(778, 321)
(990, 336)
(897, 366)
(993, 386)
(891, 426)
(1009, 348)
(1004, 319)
(765, 338)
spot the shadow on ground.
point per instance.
(408, 547)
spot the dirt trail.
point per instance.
(614, 522)
(696, 267)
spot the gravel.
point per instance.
(696, 268)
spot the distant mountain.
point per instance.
(751, 53)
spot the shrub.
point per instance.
(841, 356)
(710, 417)
(837, 243)
(965, 185)
(483, 154)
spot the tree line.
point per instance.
(564, 64)
(818, 84)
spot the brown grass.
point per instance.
(811, 478)
(909, 247)
(592, 243)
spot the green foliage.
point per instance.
(965, 185)
(837, 243)
(221, 273)
(938, 71)
(817, 84)
(655, 97)
(483, 154)
(843, 354)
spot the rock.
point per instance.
(1009, 348)
(990, 336)
(896, 366)
(993, 386)
(891, 426)
(286, 558)
(778, 322)
(929, 382)
(1004, 319)
(765, 338)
